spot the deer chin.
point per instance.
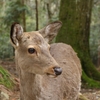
(51, 75)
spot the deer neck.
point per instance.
(28, 85)
(26, 78)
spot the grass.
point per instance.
(5, 78)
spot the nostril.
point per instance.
(57, 70)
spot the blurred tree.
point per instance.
(24, 14)
(94, 33)
(76, 18)
(37, 22)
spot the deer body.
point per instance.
(35, 64)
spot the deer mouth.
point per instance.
(55, 71)
(51, 75)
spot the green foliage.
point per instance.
(5, 78)
(6, 50)
(14, 12)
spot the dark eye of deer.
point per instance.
(31, 50)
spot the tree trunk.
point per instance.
(23, 17)
(37, 22)
(76, 16)
(49, 12)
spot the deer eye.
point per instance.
(31, 50)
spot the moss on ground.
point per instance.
(89, 82)
(5, 78)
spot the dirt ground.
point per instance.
(91, 94)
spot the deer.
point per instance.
(46, 72)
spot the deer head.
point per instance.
(32, 49)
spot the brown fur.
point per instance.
(33, 68)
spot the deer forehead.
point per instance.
(33, 38)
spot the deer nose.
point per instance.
(57, 70)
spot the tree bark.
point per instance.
(76, 17)
(23, 17)
(37, 22)
(49, 12)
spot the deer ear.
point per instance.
(51, 30)
(15, 33)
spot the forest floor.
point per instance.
(6, 94)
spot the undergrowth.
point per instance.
(5, 78)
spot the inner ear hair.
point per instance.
(51, 30)
(12, 31)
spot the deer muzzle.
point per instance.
(54, 71)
